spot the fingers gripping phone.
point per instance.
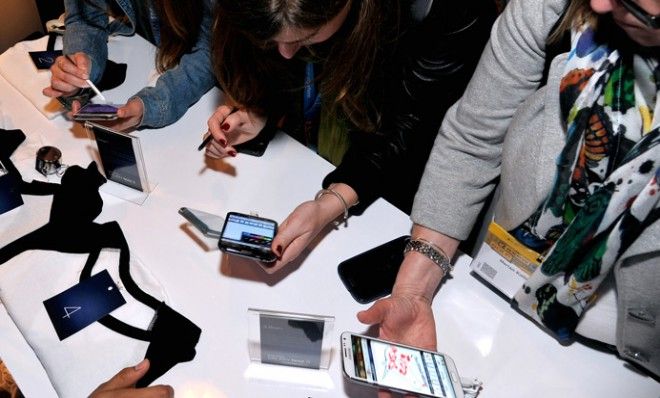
(371, 275)
(248, 236)
(398, 367)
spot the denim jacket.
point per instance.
(87, 30)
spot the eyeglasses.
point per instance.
(652, 21)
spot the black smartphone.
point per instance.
(257, 146)
(254, 147)
(371, 275)
(248, 236)
(96, 112)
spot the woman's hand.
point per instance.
(231, 127)
(406, 319)
(305, 222)
(296, 232)
(68, 77)
(406, 316)
(122, 385)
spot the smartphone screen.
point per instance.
(248, 236)
(96, 112)
(398, 367)
(371, 275)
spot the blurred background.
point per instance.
(26, 19)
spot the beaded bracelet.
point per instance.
(341, 199)
(431, 251)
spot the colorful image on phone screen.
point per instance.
(96, 112)
(249, 231)
(401, 368)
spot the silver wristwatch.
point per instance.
(431, 251)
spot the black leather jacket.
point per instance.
(433, 63)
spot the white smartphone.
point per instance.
(208, 224)
(398, 367)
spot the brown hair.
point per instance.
(254, 76)
(180, 22)
(578, 12)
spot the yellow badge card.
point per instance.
(503, 261)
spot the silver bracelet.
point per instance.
(341, 199)
(431, 251)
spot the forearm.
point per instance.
(419, 277)
(465, 161)
(85, 32)
(180, 87)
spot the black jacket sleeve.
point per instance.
(434, 62)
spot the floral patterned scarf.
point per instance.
(606, 187)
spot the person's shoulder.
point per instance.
(530, 17)
(419, 9)
(547, 11)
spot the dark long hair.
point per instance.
(254, 76)
(180, 22)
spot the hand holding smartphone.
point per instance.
(248, 236)
(398, 367)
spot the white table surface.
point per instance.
(476, 327)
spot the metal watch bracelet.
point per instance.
(429, 250)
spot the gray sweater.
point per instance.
(506, 126)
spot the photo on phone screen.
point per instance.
(96, 112)
(248, 236)
(371, 275)
(398, 367)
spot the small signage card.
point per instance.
(83, 304)
(290, 339)
(10, 194)
(44, 59)
(121, 157)
(291, 342)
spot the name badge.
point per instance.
(503, 261)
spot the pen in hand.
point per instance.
(208, 136)
(90, 84)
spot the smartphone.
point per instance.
(248, 236)
(257, 146)
(96, 112)
(254, 147)
(208, 224)
(371, 275)
(398, 367)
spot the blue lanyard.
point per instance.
(311, 97)
(311, 107)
